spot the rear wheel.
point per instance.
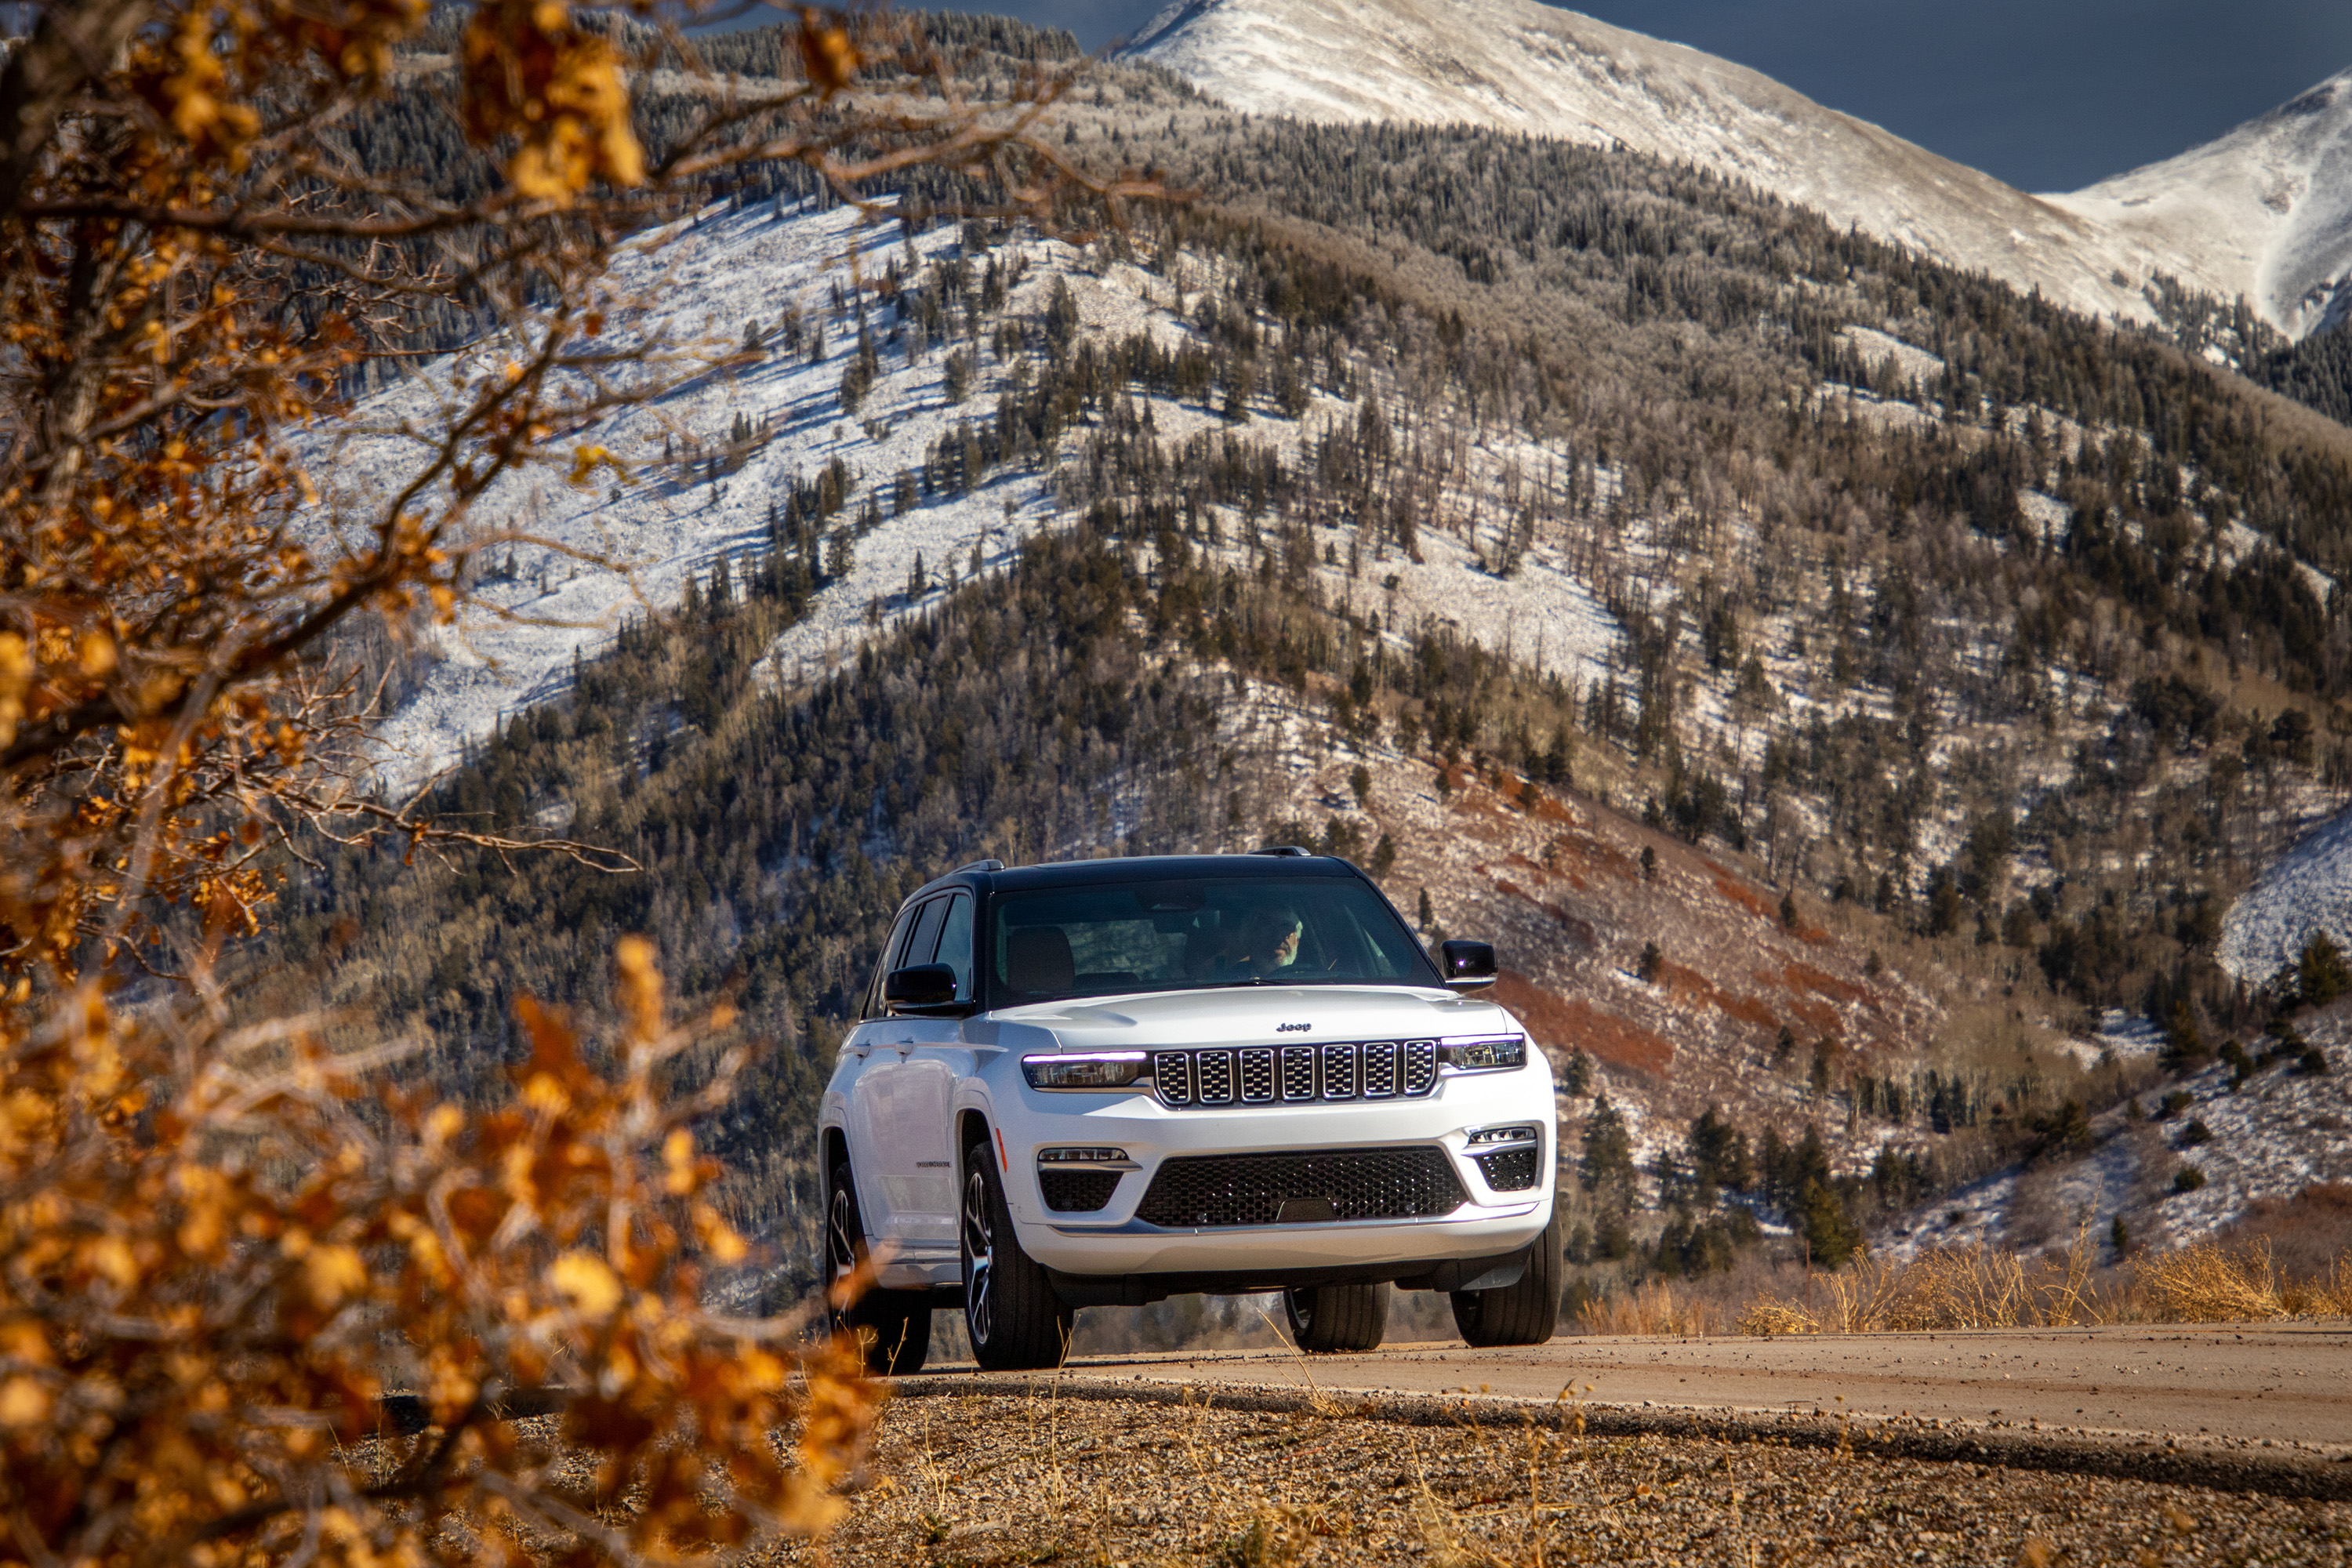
(892, 1326)
(1327, 1318)
(1015, 1321)
(1525, 1313)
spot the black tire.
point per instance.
(1328, 1317)
(1527, 1313)
(893, 1326)
(1015, 1321)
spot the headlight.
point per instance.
(1104, 1069)
(1493, 1054)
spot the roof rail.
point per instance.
(978, 866)
(1285, 850)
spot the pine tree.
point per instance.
(1608, 1158)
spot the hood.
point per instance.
(1255, 1016)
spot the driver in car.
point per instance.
(1269, 944)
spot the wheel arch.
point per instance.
(970, 1124)
(833, 1152)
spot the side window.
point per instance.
(883, 965)
(926, 940)
(955, 945)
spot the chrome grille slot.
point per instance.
(1298, 1072)
(1340, 1072)
(1216, 1070)
(1172, 1071)
(1420, 1066)
(1380, 1070)
(1258, 1075)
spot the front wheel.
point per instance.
(1327, 1318)
(1015, 1319)
(893, 1328)
(1525, 1313)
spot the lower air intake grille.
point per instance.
(1338, 1183)
(1509, 1170)
(1078, 1192)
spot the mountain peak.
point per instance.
(2264, 212)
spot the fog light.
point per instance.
(1492, 1137)
(1084, 1157)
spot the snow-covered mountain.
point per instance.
(2265, 211)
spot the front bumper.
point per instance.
(1112, 1240)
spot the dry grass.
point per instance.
(1656, 1308)
(2208, 1282)
(1982, 1288)
(1944, 1288)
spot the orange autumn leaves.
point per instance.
(208, 1279)
(529, 71)
(532, 73)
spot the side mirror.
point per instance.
(920, 985)
(1466, 965)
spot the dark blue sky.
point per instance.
(2049, 95)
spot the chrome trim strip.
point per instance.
(1142, 1227)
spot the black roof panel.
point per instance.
(1148, 868)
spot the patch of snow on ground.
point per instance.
(2306, 889)
(1874, 346)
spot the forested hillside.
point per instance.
(1928, 615)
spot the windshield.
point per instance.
(1175, 936)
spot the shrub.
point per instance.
(2195, 1133)
(2321, 972)
(242, 1238)
(2203, 1283)
(2187, 1179)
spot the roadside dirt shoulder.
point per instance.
(974, 1470)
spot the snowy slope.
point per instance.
(2304, 891)
(2260, 211)
(2264, 212)
(517, 646)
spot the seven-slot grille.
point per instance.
(1292, 1075)
(1302, 1188)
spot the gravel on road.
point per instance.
(993, 1473)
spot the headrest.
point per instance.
(1037, 959)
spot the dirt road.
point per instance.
(2256, 1386)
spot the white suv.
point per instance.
(1110, 1082)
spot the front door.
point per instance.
(876, 1125)
(924, 1094)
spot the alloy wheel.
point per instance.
(841, 1246)
(980, 1257)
